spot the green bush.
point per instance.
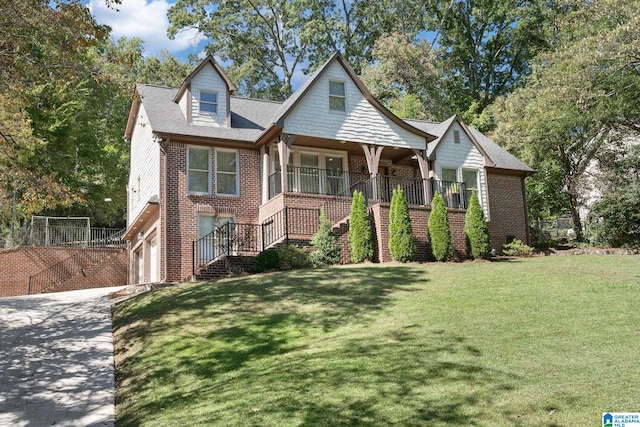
(476, 230)
(268, 259)
(292, 257)
(402, 245)
(360, 238)
(326, 252)
(614, 221)
(439, 230)
(517, 248)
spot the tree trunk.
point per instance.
(575, 217)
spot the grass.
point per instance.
(550, 341)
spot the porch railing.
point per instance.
(228, 239)
(377, 189)
(314, 181)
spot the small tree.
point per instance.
(326, 252)
(439, 231)
(476, 230)
(360, 240)
(402, 246)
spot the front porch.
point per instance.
(338, 183)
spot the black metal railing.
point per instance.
(377, 189)
(61, 271)
(228, 239)
(314, 181)
(289, 222)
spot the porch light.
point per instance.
(140, 235)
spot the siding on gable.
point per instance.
(144, 173)
(462, 155)
(183, 104)
(209, 80)
(361, 122)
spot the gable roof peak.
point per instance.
(209, 60)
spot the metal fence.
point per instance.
(52, 231)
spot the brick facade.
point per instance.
(508, 210)
(181, 209)
(16, 265)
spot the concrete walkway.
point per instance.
(56, 360)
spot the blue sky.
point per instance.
(146, 19)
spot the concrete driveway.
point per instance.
(56, 359)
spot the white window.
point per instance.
(208, 102)
(227, 182)
(337, 97)
(198, 170)
(449, 175)
(470, 179)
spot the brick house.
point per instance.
(215, 176)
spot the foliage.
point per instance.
(402, 245)
(614, 221)
(349, 345)
(360, 237)
(439, 230)
(580, 98)
(269, 259)
(268, 42)
(326, 251)
(516, 248)
(403, 76)
(293, 257)
(476, 229)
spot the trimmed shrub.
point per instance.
(439, 230)
(326, 252)
(360, 238)
(292, 257)
(268, 259)
(517, 248)
(402, 245)
(476, 230)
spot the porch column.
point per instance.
(372, 153)
(423, 164)
(266, 185)
(284, 150)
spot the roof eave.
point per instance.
(133, 114)
(208, 60)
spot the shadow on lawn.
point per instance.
(238, 323)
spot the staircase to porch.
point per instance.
(232, 247)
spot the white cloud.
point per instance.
(148, 21)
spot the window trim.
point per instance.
(237, 172)
(343, 97)
(189, 169)
(201, 102)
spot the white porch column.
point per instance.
(372, 153)
(264, 155)
(284, 150)
(423, 164)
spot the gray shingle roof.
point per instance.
(251, 117)
(165, 116)
(500, 157)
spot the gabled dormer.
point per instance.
(204, 97)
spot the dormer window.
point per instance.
(337, 98)
(208, 102)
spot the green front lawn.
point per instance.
(549, 341)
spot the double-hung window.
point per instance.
(198, 170)
(227, 172)
(337, 96)
(208, 102)
(470, 179)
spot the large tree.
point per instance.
(267, 42)
(581, 97)
(481, 50)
